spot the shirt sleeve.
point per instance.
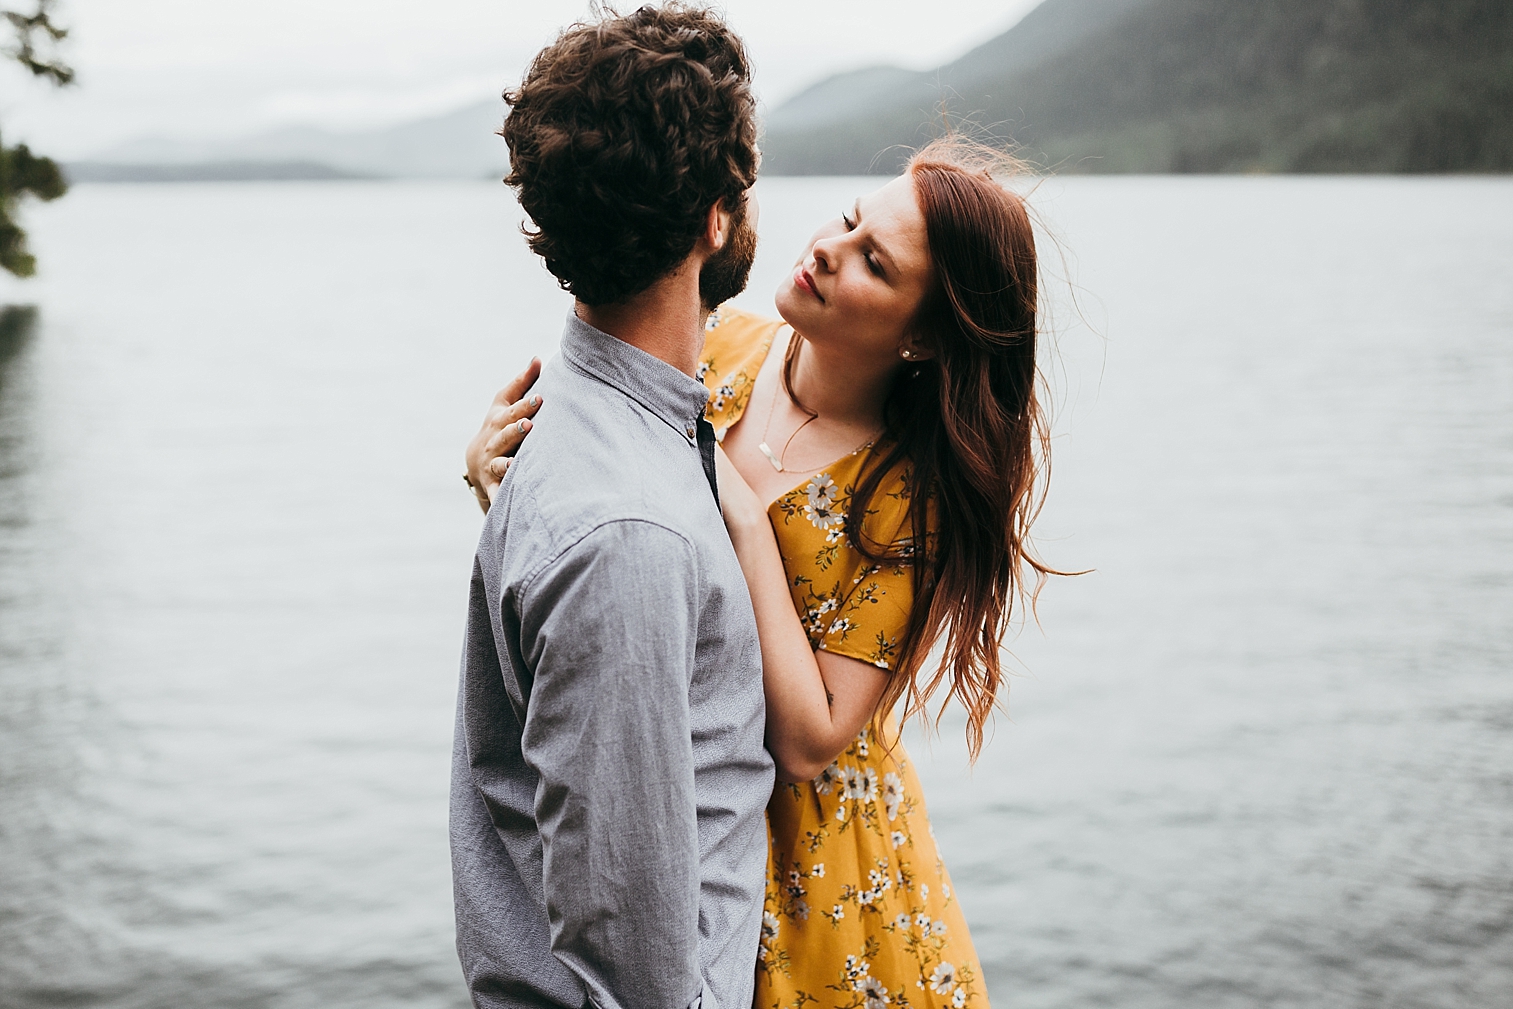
(610, 629)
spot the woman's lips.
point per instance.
(802, 279)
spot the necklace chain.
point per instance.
(777, 458)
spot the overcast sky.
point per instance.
(197, 68)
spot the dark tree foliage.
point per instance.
(23, 173)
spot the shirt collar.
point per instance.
(675, 398)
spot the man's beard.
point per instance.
(725, 273)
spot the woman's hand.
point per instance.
(739, 505)
(493, 448)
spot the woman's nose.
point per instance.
(824, 254)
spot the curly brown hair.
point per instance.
(623, 135)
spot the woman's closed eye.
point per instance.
(872, 263)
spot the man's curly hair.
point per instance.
(622, 136)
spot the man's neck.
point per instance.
(666, 320)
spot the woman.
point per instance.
(878, 477)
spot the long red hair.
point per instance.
(968, 427)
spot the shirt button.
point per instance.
(693, 432)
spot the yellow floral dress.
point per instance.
(860, 913)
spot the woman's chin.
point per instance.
(789, 303)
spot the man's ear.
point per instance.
(717, 227)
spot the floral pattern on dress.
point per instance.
(854, 881)
(859, 911)
(729, 377)
(834, 588)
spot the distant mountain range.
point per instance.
(1190, 86)
(459, 144)
(207, 171)
(1077, 85)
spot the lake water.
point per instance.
(1261, 756)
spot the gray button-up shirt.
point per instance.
(608, 777)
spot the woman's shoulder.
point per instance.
(733, 336)
(730, 319)
(736, 343)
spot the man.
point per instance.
(609, 778)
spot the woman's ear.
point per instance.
(912, 352)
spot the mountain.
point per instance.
(1192, 86)
(459, 144)
(206, 171)
(840, 125)
(843, 97)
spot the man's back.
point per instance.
(609, 776)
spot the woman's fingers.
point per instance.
(493, 474)
(502, 417)
(514, 425)
(511, 402)
(503, 431)
(504, 428)
(507, 441)
(515, 389)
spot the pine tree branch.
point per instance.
(32, 29)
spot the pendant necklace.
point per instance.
(776, 458)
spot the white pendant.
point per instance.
(776, 463)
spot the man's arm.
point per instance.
(609, 630)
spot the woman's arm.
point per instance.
(489, 454)
(816, 702)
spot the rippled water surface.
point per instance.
(1261, 756)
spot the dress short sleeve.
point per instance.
(870, 624)
(849, 605)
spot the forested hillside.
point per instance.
(1192, 86)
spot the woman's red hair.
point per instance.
(969, 429)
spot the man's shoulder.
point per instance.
(595, 459)
(607, 557)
